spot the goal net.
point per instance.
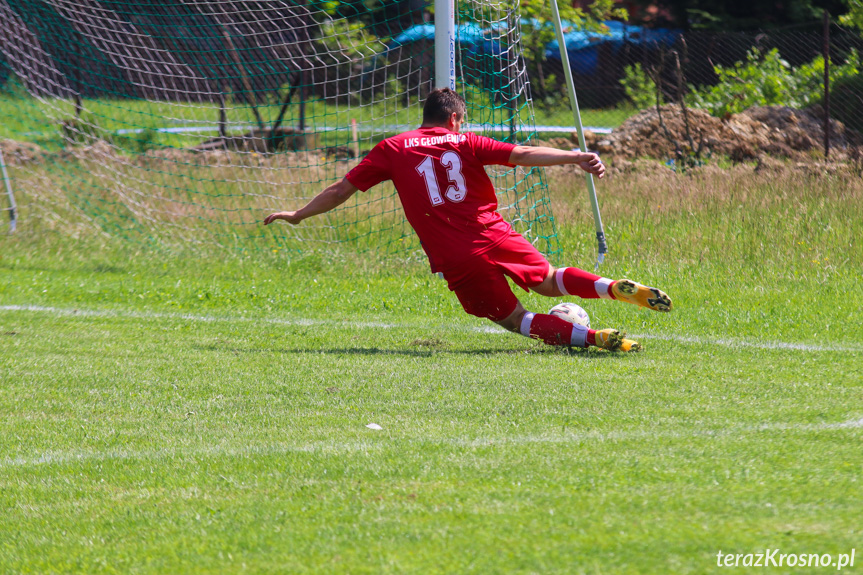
(184, 122)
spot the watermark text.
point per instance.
(776, 558)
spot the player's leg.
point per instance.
(573, 281)
(556, 331)
(483, 291)
(522, 262)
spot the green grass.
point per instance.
(29, 120)
(600, 118)
(206, 412)
(26, 119)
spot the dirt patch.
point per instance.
(229, 159)
(98, 151)
(18, 153)
(774, 130)
(182, 156)
(432, 342)
(559, 143)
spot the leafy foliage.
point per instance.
(640, 89)
(538, 30)
(767, 80)
(356, 48)
(350, 38)
(854, 17)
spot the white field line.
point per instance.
(491, 329)
(738, 342)
(365, 446)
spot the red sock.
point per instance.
(573, 281)
(591, 337)
(554, 330)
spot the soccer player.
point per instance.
(450, 201)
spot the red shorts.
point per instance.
(480, 282)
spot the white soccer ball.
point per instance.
(572, 313)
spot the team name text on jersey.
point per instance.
(435, 140)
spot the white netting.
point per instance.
(186, 121)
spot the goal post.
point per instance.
(602, 247)
(183, 123)
(444, 38)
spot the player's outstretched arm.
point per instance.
(332, 197)
(542, 156)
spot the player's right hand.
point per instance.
(593, 165)
(290, 217)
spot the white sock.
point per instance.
(579, 335)
(603, 286)
(524, 328)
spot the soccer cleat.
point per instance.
(635, 293)
(613, 340)
(609, 339)
(629, 345)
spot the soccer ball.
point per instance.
(572, 313)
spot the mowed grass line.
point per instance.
(210, 447)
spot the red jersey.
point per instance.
(448, 198)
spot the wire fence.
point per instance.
(723, 73)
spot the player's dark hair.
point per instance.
(440, 105)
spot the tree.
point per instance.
(854, 17)
(537, 30)
(725, 15)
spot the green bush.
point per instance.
(768, 80)
(136, 143)
(639, 87)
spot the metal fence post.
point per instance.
(826, 51)
(13, 216)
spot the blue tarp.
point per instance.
(470, 36)
(581, 46)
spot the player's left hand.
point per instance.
(290, 217)
(593, 165)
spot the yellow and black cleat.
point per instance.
(630, 345)
(635, 293)
(613, 340)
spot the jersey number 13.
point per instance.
(456, 191)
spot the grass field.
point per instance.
(134, 125)
(206, 412)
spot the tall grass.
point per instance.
(792, 218)
(188, 199)
(791, 221)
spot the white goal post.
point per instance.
(444, 39)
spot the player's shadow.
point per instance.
(352, 351)
(444, 350)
